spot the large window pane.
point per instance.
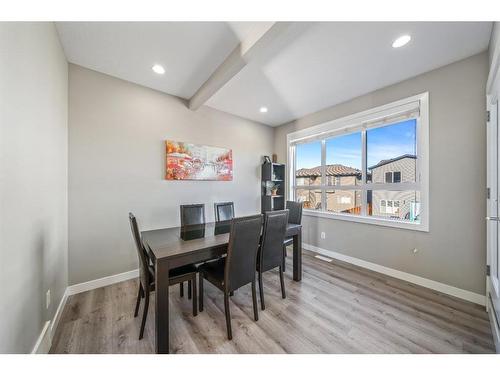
(343, 160)
(392, 153)
(308, 164)
(399, 205)
(311, 198)
(344, 201)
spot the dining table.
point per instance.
(174, 247)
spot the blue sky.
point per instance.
(383, 143)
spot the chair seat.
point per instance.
(175, 272)
(214, 271)
(288, 241)
(190, 268)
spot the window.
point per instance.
(345, 200)
(308, 174)
(389, 206)
(308, 166)
(371, 167)
(392, 177)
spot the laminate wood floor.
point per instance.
(337, 308)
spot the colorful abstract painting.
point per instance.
(187, 161)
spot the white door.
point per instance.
(493, 222)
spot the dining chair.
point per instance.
(147, 276)
(237, 269)
(294, 217)
(270, 253)
(191, 214)
(224, 211)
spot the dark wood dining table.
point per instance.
(175, 247)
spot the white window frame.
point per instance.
(362, 121)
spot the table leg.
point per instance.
(297, 256)
(161, 308)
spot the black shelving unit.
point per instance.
(273, 174)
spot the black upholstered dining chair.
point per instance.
(147, 276)
(192, 214)
(270, 255)
(224, 211)
(238, 267)
(294, 217)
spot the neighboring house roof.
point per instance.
(331, 170)
(384, 162)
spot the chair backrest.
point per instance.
(141, 252)
(294, 212)
(242, 251)
(192, 214)
(273, 235)
(224, 211)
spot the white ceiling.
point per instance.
(189, 51)
(323, 64)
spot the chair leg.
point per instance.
(181, 288)
(261, 291)
(137, 304)
(144, 316)
(195, 297)
(283, 293)
(284, 260)
(254, 301)
(189, 289)
(200, 291)
(228, 316)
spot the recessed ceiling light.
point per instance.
(263, 109)
(401, 41)
(158, 69)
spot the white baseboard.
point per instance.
(44, 341)
(57, 315)
(104, 281)
(427, 283)
(42, 345)
(495, 331)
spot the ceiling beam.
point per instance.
(257, 43)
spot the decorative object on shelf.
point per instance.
(275, 158)
(273, 187)
(188, 161)
(267, 160)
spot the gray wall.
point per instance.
(117, 131)
(454, 250)
(33, 180)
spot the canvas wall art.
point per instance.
(187, 161)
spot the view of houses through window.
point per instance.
(329, 173)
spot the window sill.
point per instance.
(420, 227)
